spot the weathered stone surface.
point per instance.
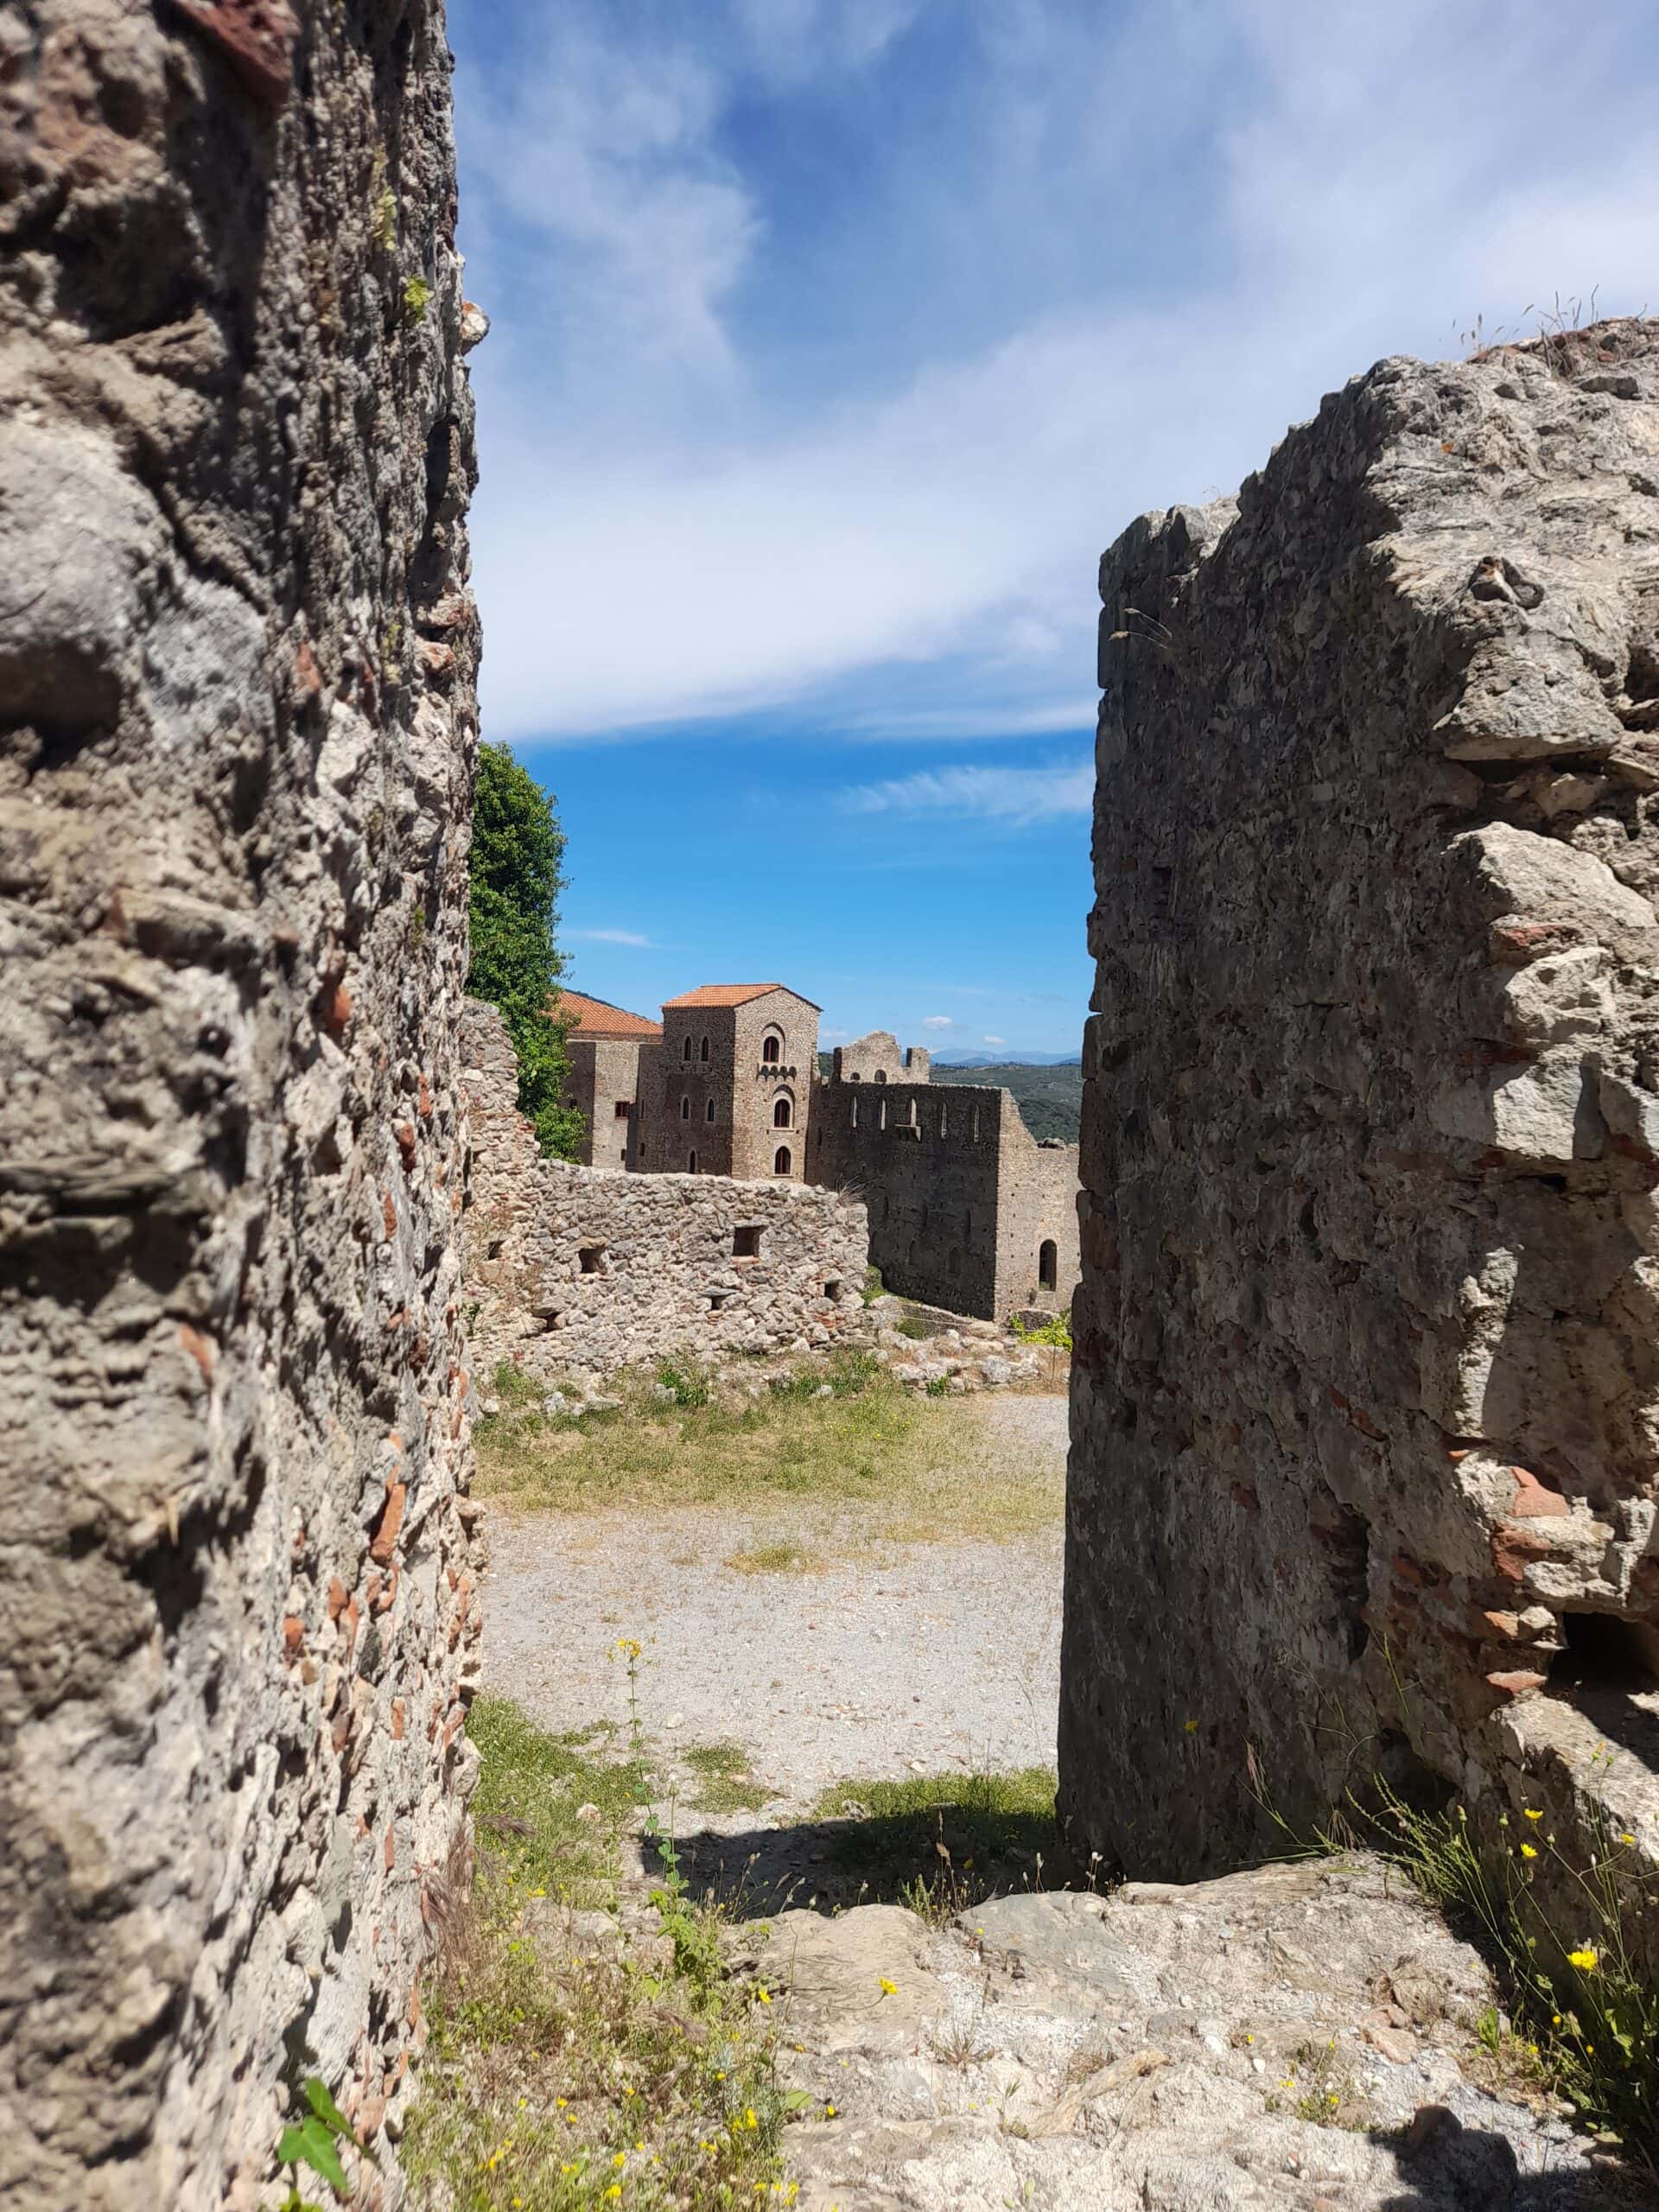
(1289, 2040)
(575, 1273)
(967, 1210)
(1366, 1400)
(233, 468)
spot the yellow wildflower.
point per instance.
(614, 2190)
(1586, 1961)
(620, 2159)
(764, 1996)
(1531, 1814)
(1527, 1851)
(829, 2112)
(1626, 1837)
(1191, 1726)
(889, 1988)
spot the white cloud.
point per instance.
(673, 522)
(1019, 797)
(611, 936)
(937, 1021)
(993, 1041)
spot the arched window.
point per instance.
(881, 1074)
(691, 1165)
(686, 1054)
(1048, 1263)
(780, 1160)
(703, 1050)
(854, 1079)
(771, 1049)
(709, 1111)
(782, 1110)
(685, 1106)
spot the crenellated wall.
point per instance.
(1365, 1408)
(236, 725)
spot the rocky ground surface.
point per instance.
(1302, 2037)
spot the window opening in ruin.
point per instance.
(1604, 1651)
(973, 1131)
(686, 1054)
(881, 1074)
(913, 1116)
(853, 1122)
(624, 1108)
(691, 1165)
(771, 1049)
(709, 1112)
(780, 1160)
(746, 1241)
(945, 1119)
(881, 1116)
(685, 1106)
(832, 1291)
(854, 1079)
(717, 1299)
(493, 1250)
(1048, 1263)
(591, 1258)
(780, 1111)
(886, 1208)
(703, 1050)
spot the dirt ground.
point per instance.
(891, 1661)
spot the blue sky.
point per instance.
(832, 341)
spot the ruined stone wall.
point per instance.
(1038, 1261)
(1365, 1408)
(575, 1273)
(877, 1059)
(237, 651)
(925, 1159)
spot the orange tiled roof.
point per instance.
(598, 1018)
(732, 995)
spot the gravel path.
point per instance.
(916, 1660)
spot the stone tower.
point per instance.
(739, 1061)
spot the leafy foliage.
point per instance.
(518, 849)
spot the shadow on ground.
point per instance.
(945, 1861)
(1442, 2163)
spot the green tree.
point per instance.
(517, 847)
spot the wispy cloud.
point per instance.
(937, 1021)
(612, 937)
(993, 1041)
(744, 436)
(1017, 797)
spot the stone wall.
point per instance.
(877, 1059)
(236, 738)
(961, 1197)
(604, 1075)
(1365, 1405)
(575, 1272)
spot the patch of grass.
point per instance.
(1317, 2088)
(912, 1325)
(884, 1465)
(774, 1558)
(724, 1782)
(943, 1842)
(1587, 2016)
(562, 2081)
(685, 1382)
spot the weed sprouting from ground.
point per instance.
(774, 1558)
(1588, 2017)
(564, 2070)
(724, 1783)
(943, 1843)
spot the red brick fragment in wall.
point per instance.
(389, 1212)
(1534, 1501)
(404, 1133)
(391, 1516)
(1517, 1684)
(338, 1594)
(199, 1347)
(1515, 1549)
(335, 1010)
(293, 1636)
(397, 1720)
(257, 37)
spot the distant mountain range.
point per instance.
(1006, 1060)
